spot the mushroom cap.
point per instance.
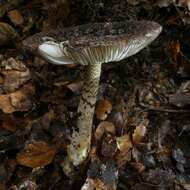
(98, 42)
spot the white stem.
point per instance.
(79, 147)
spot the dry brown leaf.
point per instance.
(104, 126)
(13, 64)
(20, 100)
(13, 74)
(16, 17)
(139, 134)
(98, 184)
(88, 185)
(6, 33)
(108, 126)
(36, 154)
(99, 132)
(103, 108)
(124, 144)
(5, 104)
(17, 101)
(13, 80)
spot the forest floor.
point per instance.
(141, 128)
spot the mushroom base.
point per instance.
(79, 147)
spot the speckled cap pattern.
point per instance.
(95, 43)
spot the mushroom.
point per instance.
(91, 45)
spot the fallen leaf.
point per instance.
(88, 185)
(13, 74)
(108, 146)
(98, 184)
(7, 33)
(36, 154)
(16, 17)
(103, 108)
(5, 104)
(124, 144)
(13, 64)
(99, 132)
(104, 126)
(139, 134)
(19, 100)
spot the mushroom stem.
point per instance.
(81, 138)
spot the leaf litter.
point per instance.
(141, 124)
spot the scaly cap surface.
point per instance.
(95, 43)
